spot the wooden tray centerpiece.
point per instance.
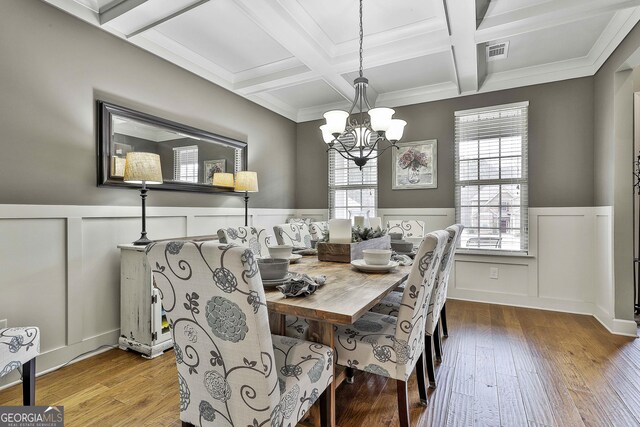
(362, 238)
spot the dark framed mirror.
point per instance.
(189, 157)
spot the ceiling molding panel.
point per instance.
(298, 57)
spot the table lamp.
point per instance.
(143, 168)
(223, 179)
(246, 181)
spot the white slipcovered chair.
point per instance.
(409, 228)
(231, 370)
(392, 346)
(391, 304)
(19, 348)
(296, 235)
(255, 238)
(317, 229)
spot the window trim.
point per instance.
(524, 217)
(332, 187)
(177, 152)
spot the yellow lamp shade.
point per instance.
(142, 167)
(223, 179)
(247, 181)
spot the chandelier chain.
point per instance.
(361, 37)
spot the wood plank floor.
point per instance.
(502, 366)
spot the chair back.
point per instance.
(299, 220)
(317, 229)
(296, 235)
(216, 308)
(255, 238)
(442, 282)
(409, 228)
(410, 326)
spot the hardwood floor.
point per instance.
(502, 366)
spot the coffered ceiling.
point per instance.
(299, 57)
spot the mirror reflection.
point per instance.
(184, 158)
(189, 157)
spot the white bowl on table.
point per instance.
(280, 251)
(376, 256)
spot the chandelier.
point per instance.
(356, 134)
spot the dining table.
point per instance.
(346, 295)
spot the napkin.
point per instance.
(305, 251)
(402, 259)
(301, 285)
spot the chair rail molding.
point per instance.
(61, 271)
(569, 267)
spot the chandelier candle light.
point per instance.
(353, 135)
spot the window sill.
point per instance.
(494, 254)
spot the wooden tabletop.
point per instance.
(346, 296)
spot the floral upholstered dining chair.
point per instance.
(317, 229)
(409, 228)
(296, 235)
(19, 348)
(231, 370)
(392, 346)
(258, 241)
(255, 238)
(436, 312)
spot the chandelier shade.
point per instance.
(356, 134)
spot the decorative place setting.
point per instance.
(283, 252)
(375, 261)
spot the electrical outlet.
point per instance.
(493, 273)
(3, 323)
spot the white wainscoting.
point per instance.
(569, 267)
(61, 267)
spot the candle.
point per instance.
(358, 221)
(340, 231)
(375, 222)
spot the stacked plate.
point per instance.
(402, 247)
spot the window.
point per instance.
(352, 191)
(185, 163)
(491, 177)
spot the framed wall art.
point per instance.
(415, 165)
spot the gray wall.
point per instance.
(614, 153)
(560, 148)
(55, 66)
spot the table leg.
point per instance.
(277, 323)
(322, 333)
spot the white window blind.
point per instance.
(352, 191)
(491, 177)
(185, 163)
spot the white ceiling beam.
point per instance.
(617, 29)
(115, 9)
(166, 18)
(545, 15)
(279, 80)
(274, 21)
(462, 21)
